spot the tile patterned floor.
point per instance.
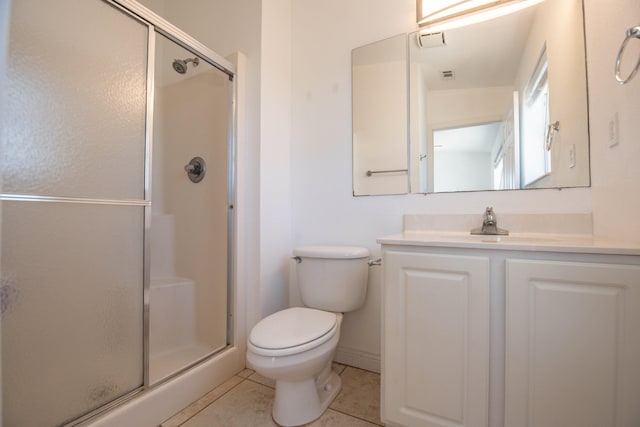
(246, 399)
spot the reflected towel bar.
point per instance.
(369, 173)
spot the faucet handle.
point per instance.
(489, 224)
(489, 217)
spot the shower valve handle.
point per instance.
(192, 168)
(196, 169)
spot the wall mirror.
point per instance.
(496, 105)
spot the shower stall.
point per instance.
(116, 191)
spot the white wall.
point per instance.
(324, 211)
(462, 170)
(322, 207)
(275, 149)
(615, 171)
(463, 107)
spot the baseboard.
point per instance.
(358, 358)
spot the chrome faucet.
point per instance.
(489, 224)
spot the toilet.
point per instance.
(295, 346)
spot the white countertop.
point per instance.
(514, 241)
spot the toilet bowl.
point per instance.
(295, 346)
(299, 362)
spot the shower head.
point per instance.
(180, 65)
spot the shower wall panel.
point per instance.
(191, 119)
(196, 117)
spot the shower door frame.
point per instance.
(157, 24)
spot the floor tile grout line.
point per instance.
(214, 400)
(243, 379)
(333, 409)
(355, 416)
(258, 382)
(273, 387)
(346, 413)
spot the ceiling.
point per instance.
(486, 54)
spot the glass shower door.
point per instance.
(189, 224)
(73, 210)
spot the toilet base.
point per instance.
(302, 402)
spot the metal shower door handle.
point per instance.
(196, 169)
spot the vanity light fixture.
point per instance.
(440, 15)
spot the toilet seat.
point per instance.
(292, 331)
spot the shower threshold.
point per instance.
(167, 363)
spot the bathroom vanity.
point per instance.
(526, 330)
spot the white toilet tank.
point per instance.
(332, 278)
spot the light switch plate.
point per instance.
(572, 155)
(613, 130)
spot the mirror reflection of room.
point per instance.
(379, 117)
(463, 160)
(526, 82)
(497, 105)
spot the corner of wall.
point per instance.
(275, 154)
(615, 176)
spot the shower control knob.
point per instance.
(192, 168)
(196, 169)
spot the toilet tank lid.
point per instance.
(333, 252)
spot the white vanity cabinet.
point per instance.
(572, 344)
(435, 339)
(509, 335)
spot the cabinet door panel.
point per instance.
(436, 339)
(572, 344)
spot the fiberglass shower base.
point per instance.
(173, 341)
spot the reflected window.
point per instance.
(535, 120)
(498, 173)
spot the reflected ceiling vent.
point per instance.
(448, 75)
(430, 40)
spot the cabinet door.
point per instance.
(572, 344)
(435, 362)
